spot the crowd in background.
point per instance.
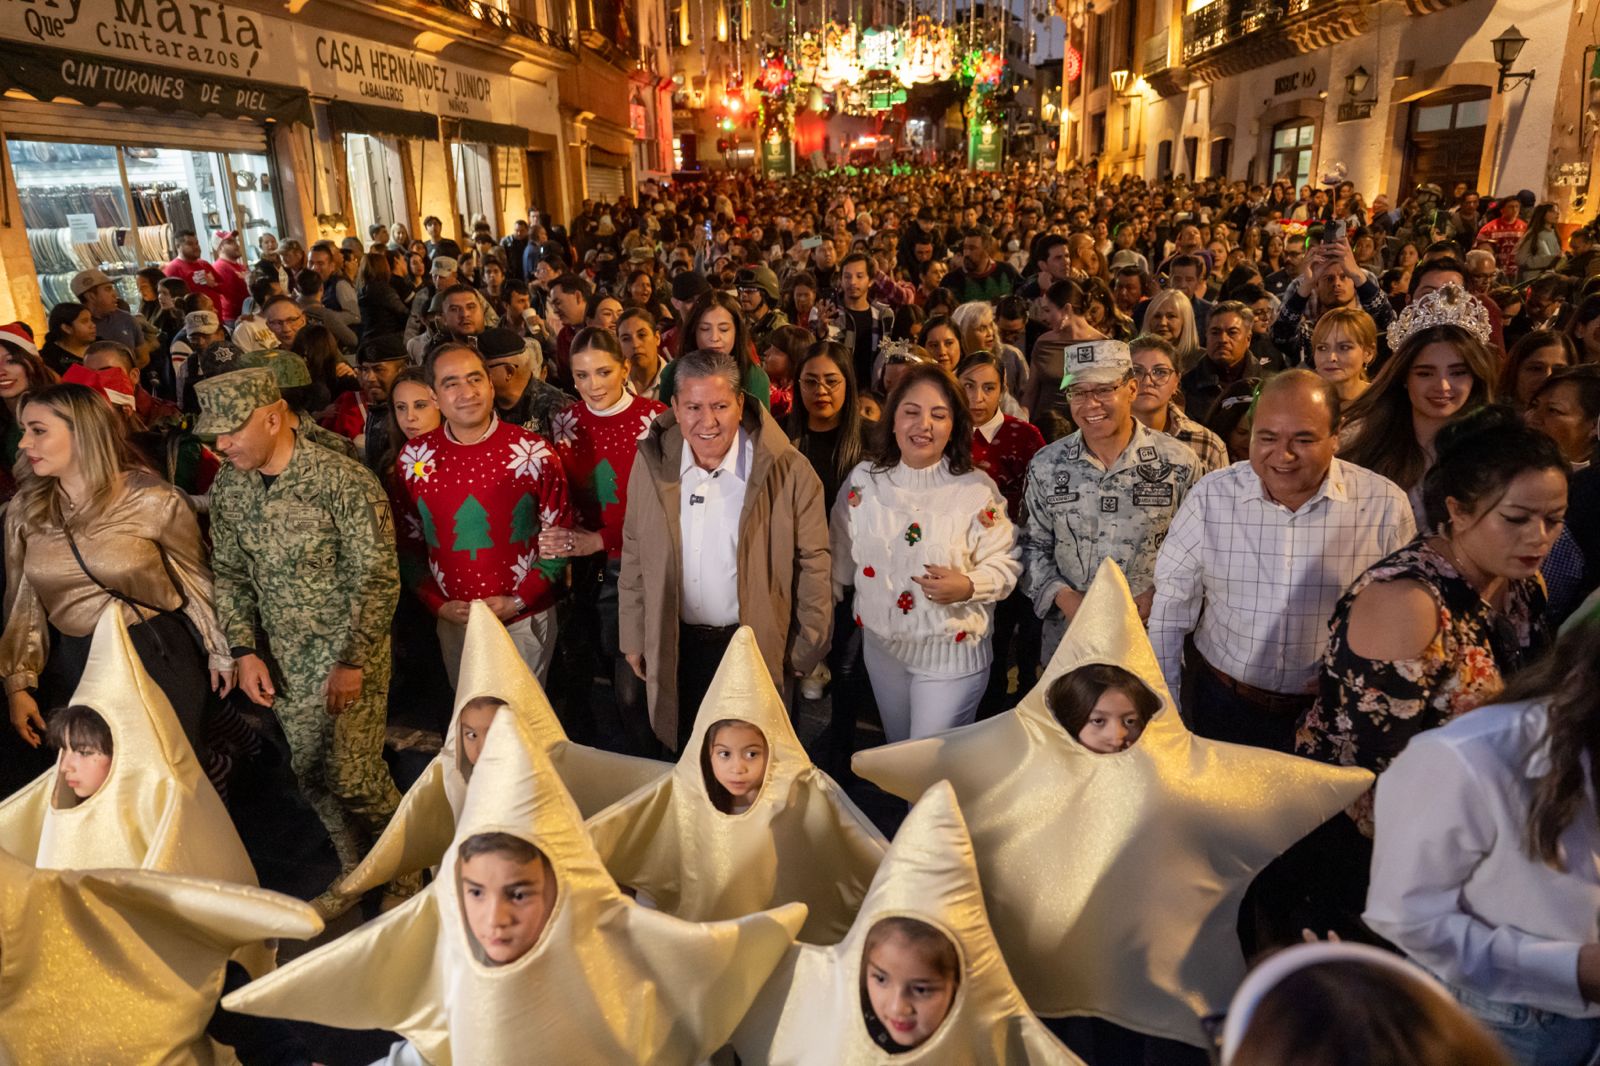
(1341, 450)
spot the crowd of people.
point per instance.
(894, 425)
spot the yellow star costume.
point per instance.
(422, 827)
(802, 841)
(156, 810)
(123, 966)
(810, 1013)
(1114, 881)
(608, 982)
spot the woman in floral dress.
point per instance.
(1437, 628)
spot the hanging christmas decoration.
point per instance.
(982, 68)
(776, 74)
(1072, 64)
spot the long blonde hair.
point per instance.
(1188, 337)
(99, 446)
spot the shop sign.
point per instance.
(198, 39)
(985, 148)
(1300, 79)
(775, 155)
(1570, 175)
(1355, 110)
(48, 73)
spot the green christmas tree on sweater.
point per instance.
(472, 528)
(605, 484)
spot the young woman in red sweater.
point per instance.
(597, 440)
(1002, 447)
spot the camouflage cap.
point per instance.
(288, 369)
(228, 400)
(1100, 362)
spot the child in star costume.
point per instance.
(476, 717)
(734, 759)
(481, 490)
(909, 976)
(84, 740)
(1104, 707)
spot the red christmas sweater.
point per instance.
(1005, 459)
(479, 509)
(597, 452)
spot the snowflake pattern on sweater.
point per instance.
(597, 453)
(1005, 459)
(479, 508)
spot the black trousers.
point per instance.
(700, 651)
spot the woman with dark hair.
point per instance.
(1439, 372)
(1065, 308)
(68, 333)
(1566, 408)
(1540, 245)
(21, 371)
(716, 324)
(1530, 362)
(1486, 853)
(1584, 328)
(330, 374)
(382, 310)
(924, 538)
(1102, 314)
(1434, 630)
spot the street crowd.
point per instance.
(879, 432)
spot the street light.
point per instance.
(1507, 47)
(1355, 82)
(1119, 82)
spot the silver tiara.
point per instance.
(890, 348)
(1450, 305)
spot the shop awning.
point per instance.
(50, 73)
(349, 117)
(475, 132)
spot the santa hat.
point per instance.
(18, 335)
(111, 382)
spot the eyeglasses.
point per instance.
(827, 384)
(1160, 374)
(1098, 393)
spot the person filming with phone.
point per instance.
(1329, 278)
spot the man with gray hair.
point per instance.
(1229, 358)
(725, 526)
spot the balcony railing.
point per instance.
(1224, 21)
(550, 29)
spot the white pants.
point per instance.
(534, 637)
(914, 703)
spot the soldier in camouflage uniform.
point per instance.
(1108, 489)
(304, 556)
(294, 383)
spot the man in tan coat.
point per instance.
(728, 531)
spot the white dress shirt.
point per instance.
(1452, 881)
(709, 505)
(1267, 577)
(991, 427)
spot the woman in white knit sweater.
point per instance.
(924, 539)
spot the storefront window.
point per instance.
(375, 181)
(116, 209)
(1291, 151)
(474, 182)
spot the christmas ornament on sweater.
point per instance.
(802, 840)
(1113, 881)
(420, 831)
(608, 981)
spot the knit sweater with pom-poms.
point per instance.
(889, 525)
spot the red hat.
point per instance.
(19, 335)
(112, 383)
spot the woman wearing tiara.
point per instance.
(1441, 369)
(1433, 630)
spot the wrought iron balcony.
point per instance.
(550, 31)
(1222, 22)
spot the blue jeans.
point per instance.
(1534, 1037)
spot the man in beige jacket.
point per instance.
(728, 531)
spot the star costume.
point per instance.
(123, 966)
(609, 981)
(811, 1012)
(801, 840)
(1114, 881)
(156, 809)
(423, 825)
